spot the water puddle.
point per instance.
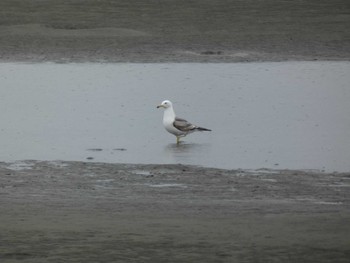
(285, 115)
(19, 166)
(143, 173)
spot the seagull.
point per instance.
(177, 126)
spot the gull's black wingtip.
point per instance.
(202, 129)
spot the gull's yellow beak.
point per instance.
(160, 106)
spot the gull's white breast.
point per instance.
(169, 126)
(168, 122)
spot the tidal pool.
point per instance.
(281, 115)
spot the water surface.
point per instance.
(284, 115)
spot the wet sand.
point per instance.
(174, 30)
(96, 212)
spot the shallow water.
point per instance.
(293, 115)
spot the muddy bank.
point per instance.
(174, 31)
(95, 212)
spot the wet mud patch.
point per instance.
(117, 31)
(85, 211)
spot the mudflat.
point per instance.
(98, 212)
(174, 30)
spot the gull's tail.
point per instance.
(202, 129)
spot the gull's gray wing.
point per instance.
(183, 125)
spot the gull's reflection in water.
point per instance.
(187, 153)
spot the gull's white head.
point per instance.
(165, 104)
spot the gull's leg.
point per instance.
(178, 139)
